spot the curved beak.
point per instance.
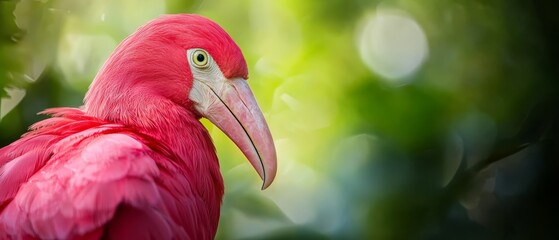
(231, 106)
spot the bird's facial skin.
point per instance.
(231, 106)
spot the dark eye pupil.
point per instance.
(200, 58)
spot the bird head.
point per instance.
(187, 60)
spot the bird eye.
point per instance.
(200, 58)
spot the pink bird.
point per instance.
(134, 162)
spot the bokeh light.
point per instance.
(392, 44)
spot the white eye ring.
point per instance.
(200, 58)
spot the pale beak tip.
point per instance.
(270, 175)
(266, 183)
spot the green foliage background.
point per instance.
(466, 149)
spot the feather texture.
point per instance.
(75, 176)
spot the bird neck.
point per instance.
(172, 131)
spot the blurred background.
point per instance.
(404, 119)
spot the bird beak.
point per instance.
(231, 106)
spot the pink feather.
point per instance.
(84, 177)
(134, 162)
